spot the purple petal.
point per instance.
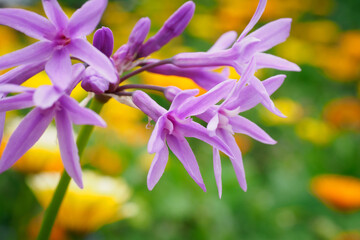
(265, 60)
(76, 76)
(272, 33)
(86, 18)
(46, 96)
(104, 41)
(236, 161)
(157, 138)
(86, 52)
(242, 125)
(34, 53)
(217, 170)
(25, 136)
(182, 97)
(68, 149)
(56, 15)
(182, 150)
(138, 36)
(22, 73)
(224, 41)
(201, 76)
(20, 101)
(200, 104)
(267, 102)
(213, 124)
(13, 88)
(255, 18)
(148, 105)
(59, 68)
(80, 115)
(249, 97)
(171, 92)
(195, 130)
(157, 167)
(172, 28)
(2, 123)
(27, 22)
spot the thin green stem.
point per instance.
(53, 208)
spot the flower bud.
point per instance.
(104, 41)
(93, 82)
(173, 27)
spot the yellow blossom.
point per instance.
(315, 131)
(102, 201)
(293, 110)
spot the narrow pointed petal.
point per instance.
(148, 105)
(201, 76)
(172, 28)
(182, 150)
(272, 33)
(217, 170)
(255, 18)
(86, 18)
(56, 15)
(157, 167)
(236, 161)
(265, 60)
(25, 136)
(249, 97)
(157, 139)
(104, 41)
(76, 76)
(182, 97)
(267, 102)
(195, 130)
(68, 149)
(20, 101)
(34, 53)
(224, 41)
(59, 68)
(27, 22)
(13, 88)
(244, 126)
(46, 96)
(80, 115)
(200, 104)
(22, 73)
(83, 50)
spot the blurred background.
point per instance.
(307, 186)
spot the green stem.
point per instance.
(53, 208)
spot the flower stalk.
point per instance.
(60, 191)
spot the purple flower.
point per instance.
(50, 102)
(172, 28)
(174, 125)
(223, 121)
(59, 38)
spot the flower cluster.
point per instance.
(103, 74)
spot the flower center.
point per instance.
(62, 40)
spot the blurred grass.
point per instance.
(279, 203)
